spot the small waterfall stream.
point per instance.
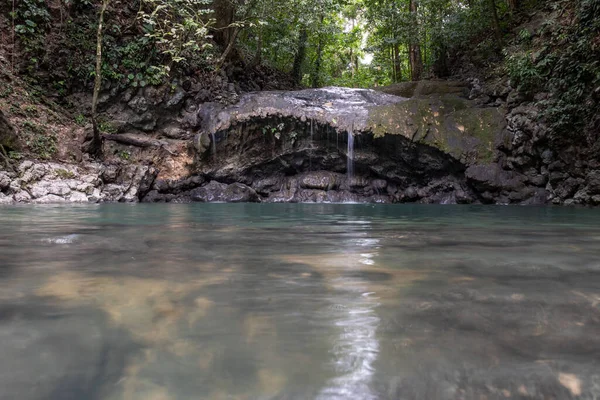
(312, 132)
(350, 155)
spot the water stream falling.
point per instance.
(312, 131)
(350, 155)
(213, 145)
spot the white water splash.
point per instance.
(68, 239)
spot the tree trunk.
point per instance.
(416, 63)
(316, 81)
(300, 55)
(397, 64)
(317, 73)
(496, 22)
(229, 47)
(224, 16)
(95, 147)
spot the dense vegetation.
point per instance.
(551, 48)
(342, 42)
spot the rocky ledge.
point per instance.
(47, 182)
(426, 142)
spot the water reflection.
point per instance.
(299, 302)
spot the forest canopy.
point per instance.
(319, 42)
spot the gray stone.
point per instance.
(22, 197)
(379, 184)
(58, 188)
(35, 173)
(491, 178)
(5, 180)
(49, 199)
(4, 199)
(322, 180)
(139, 104)
(593, 182)
(110, 173)
(78, 197)
(25, 165)
(219, 192)
(175, 133)
(112, 192)
(39, 189)
(176, 99)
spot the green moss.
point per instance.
(448, 123)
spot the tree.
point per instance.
(95, 147)
(416, 61)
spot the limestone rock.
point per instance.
(219, 192)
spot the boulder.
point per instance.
(220, 192)
(323, 180)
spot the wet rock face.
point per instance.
(293, 147)
(291, 160)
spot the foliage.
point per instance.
(564, 61)
(64, 174)
(31, 18)
(179, 28)
(40, 142)
(523, 72)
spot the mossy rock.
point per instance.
(425, 88)
(450, 123)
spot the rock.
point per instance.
(139, 104)
(112, 192)
(58, 188)
(211, 192)
(322, 180)
(491, 178)
(202, 142)
(220, 192)
(78, 197)
(4, 199)
(238, 192)
(269, 184)
(35, 173)
(410, 194)
(593, 182)
(96, 196)
(146, 181)
(39, 189)
(49, 199)
(22, 197)
(5, 180)
(357, 182)
(110, 173)
(146, 122)
(24, 166)
(8, 136)
(379, 184)
(175, 133)
(176, 99)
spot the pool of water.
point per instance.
(281, 301)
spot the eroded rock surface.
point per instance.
(48, 182)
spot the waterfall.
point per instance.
(312, 129)
(350, 155)
(213, 145)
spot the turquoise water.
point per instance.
(282, 301)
